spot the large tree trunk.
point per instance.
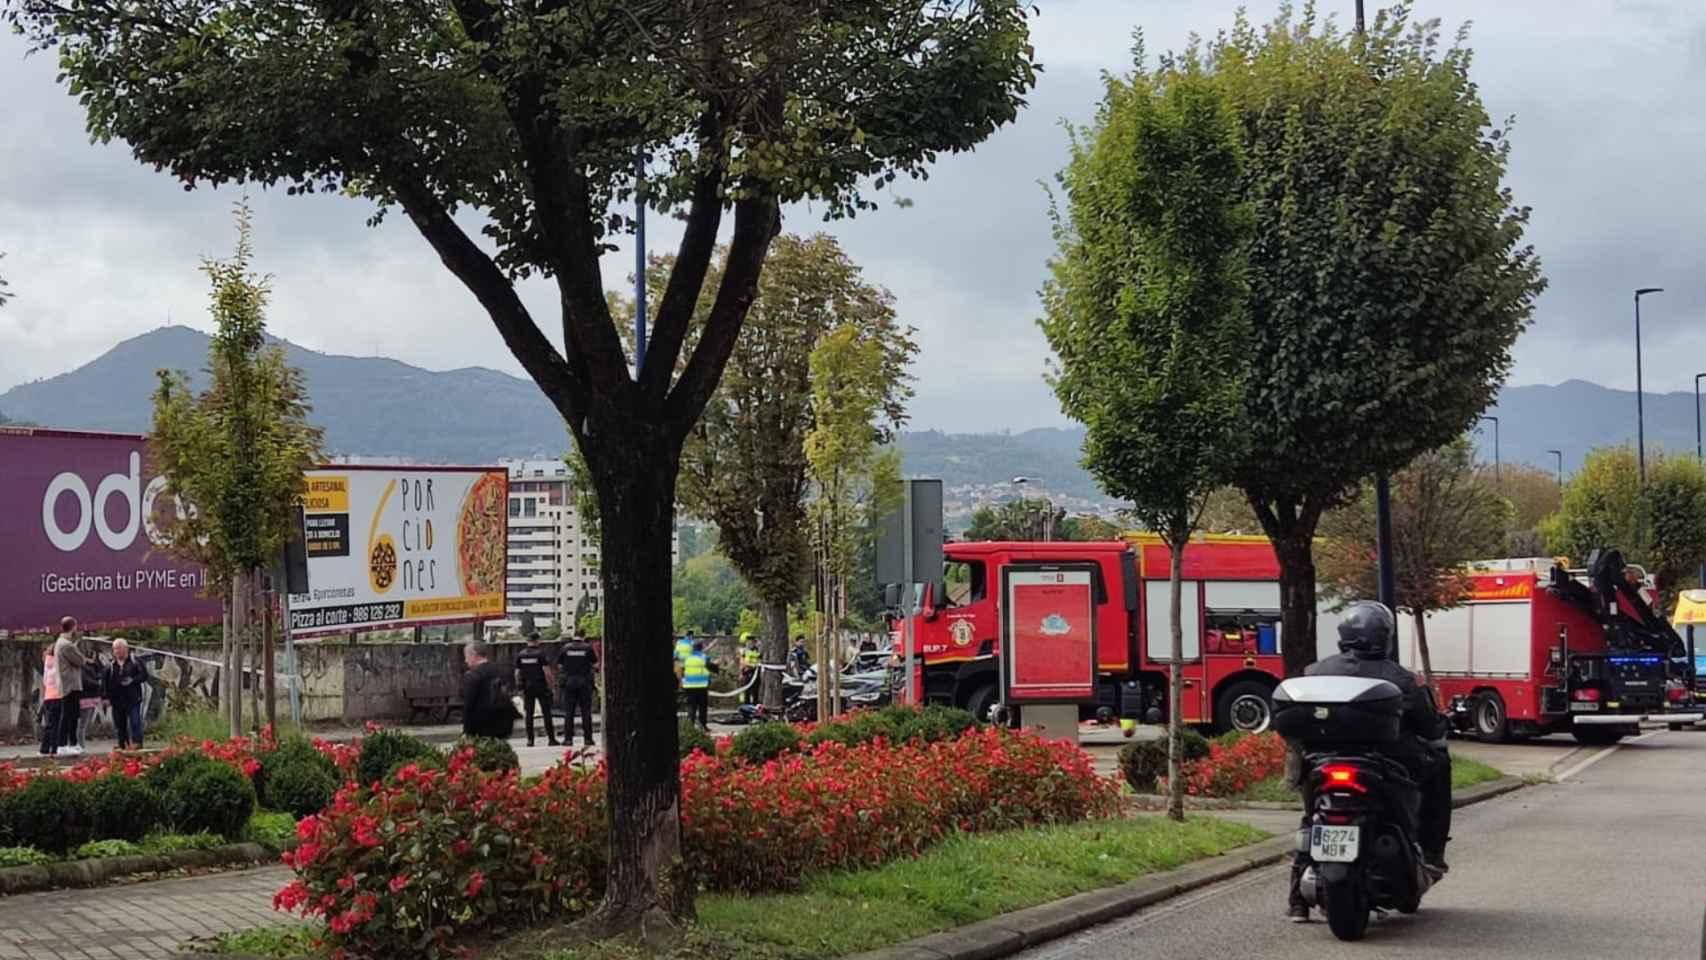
(773, 645)
(1175, 681)
(633, 465)
(227, 632)
(1291, 529)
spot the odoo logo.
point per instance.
(92, 509)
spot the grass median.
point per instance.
(960, 881)
(1464, 773)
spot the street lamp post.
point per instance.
(1640, 413)
(1697, 450)
(1560, 455)
(1498, 469)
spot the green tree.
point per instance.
(530, 117)
(744, 465)
(1534, 495)
(1229, 511)
(1145, 310)
(1021, 519)
(855, 479)
(1662, 527)
(709, 595)
(1444, 513)
(1388, 277)
(236, 453)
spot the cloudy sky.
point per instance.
(1609, 144)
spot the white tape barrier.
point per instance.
(137, 648)
(778, 667)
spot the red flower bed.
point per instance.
(395, 871)
(1230, 770)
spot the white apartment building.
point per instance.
(552, 563)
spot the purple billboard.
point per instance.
(79, 535)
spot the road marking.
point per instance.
(1601, 755)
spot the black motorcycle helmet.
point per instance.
(1367, 630)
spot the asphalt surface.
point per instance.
(1611, 862)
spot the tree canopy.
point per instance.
(1661, 526)
(1387, 274)
(1030, 518)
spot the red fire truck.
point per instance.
(1540, 648)
(1230, 617)
(1532, 652)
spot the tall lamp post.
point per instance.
(1699, 456)
(1498, 469)
(1560, 455)
(1640, 412)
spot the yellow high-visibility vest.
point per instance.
(695, 672)
(751, 657)
(682, 649)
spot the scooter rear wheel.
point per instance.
(1347, 908)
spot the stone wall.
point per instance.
(340, 682)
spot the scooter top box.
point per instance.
(1338, 710)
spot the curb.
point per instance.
(1010, 933)
(93, 873)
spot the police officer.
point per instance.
(696, 670)
(577, 665)
(683, 647)
(1366, 637)
(749, 662)
(533, 674)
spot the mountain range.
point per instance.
(378, 407)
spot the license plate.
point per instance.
(1584, 706)
(1334, 844)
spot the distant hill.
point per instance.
(379, 407)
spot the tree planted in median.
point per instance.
(1145, 311)
(528, 119)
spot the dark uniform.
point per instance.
(1365, 640)
(486, 707)
(530, 666)
(577, 665)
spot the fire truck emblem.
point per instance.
(1055, 625)
(961, 632)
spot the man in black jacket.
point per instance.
(1366, 637)
(486, 707)
(125, 679)
(577, 665)
(533, 672)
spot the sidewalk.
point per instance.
(144, 921)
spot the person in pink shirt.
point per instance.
(49, 723)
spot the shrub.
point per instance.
(940, 722)
(22, 857)
(1228, 771)
(482, 847)
(173, 766)
(124, 808)
(213, 798)
(764, 742)
(689, 738)
(275, 831)
(1143, 763)
(897, 724)
(490, 754)
(51, 814)
(381, 751)
(290, 751)
(1229, 738)
(173, 842)
(102, 849)
(300, 788)
(430, 761)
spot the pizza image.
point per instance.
(480, 536)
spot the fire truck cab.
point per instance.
(1230, 615)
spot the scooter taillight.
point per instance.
(1341, 776)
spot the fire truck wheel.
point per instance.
(1246, 705)
(1492, 724)
(981, 701)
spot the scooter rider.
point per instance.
(1366, 640)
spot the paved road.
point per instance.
(1609, 863)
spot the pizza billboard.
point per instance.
(396, 546)
(81, 521)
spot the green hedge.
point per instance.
(51, 814)
(1144, 762)
(384, 751)
(300, 788)
(215, 799)
(124, 808)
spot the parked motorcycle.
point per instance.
(1363, 815)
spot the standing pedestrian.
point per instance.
(577, 665)
(683, 647)
(488, 709)
(750, 659)
(126, 677)
(68, 663)
(94, 690)
(49, 723)
(798, 658)
(696, 672)
(534, 674)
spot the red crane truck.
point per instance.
(1532, 652)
